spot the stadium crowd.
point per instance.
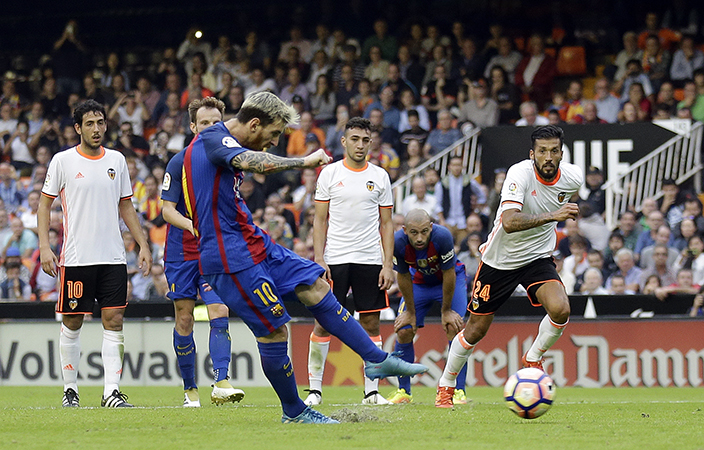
(421, 89)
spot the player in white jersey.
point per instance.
(353, 204)
(95, 190)
(535, 196)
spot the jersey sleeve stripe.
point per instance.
(511, 202)
(321, 201)
(125, 198)
(49, 196)
(386, 207)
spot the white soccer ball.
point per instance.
(529, 393)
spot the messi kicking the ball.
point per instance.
(248, 271)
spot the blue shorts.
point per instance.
(424, 296)
(185, 281)
(256, 294)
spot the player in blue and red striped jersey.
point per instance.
(185, 281)
(428, 272)
(252, 274)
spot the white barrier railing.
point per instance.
(678, 158)
(467, 148)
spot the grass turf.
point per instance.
(619, 418)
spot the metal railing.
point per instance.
(678, 158)
(467, 148)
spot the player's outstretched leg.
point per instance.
(339, 322)
(318, 348)
(279, 371)
(220, 354)
(185, 349)
(457, 356)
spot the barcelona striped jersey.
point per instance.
(426, 265)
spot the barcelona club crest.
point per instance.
(73, 303)
(111, 173)
(561, 197)
(277, 310)
(370, 186)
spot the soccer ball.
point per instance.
(529, 393)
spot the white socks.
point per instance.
(317, 354)
(548, 333)
(373, 385)
(460, 351)
(112, 352)
(70, 351)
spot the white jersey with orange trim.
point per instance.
(525, 191)
(354, 198)
(90, 189)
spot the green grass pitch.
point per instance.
(613, 418)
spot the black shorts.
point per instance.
(364, 281)
(81, 286)
(492, 287)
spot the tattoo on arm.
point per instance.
(262, 162)
(520, 221)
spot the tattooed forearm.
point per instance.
(518, 221)
(266, 163)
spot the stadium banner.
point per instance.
(610, 147)
(646, 352)
(29, 355)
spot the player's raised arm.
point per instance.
(266, 163)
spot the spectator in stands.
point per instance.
(192, 44)
(671, 203)
(663, 236)
(233, 101)
(322, 102)
(505, 94)
(350, 55)
(666, 98)
(589, 116)
(696, 310)
(536, 72)
(686, 60)
(113, 68)
(387, 134)
(129, 143)
(628, 228)
(157, 287)
(129, 107)
(592, 226)
(469, 253)
(686, 229)
(443, 136)
(684, 285)
(654, 221)
(297, 140)
(334, 133)
(294, 87)
(666, 37)
(398, 84)
(363, 98)
(408, 104)
(571, 228)
(276, 226)
(303, 195)
(494, 195)
(644, 107)
(692, 101)
(392, 116)
(629, 114)
(693, 210)
(433, 40)
(455, 199)
(655, 61)
(21, 238)
(69, 58)
(607, 105)
(660, 267)
(576, 263)
(377, 70)
(592, 285)
(618, 286)
(627, 268)
(420, 199)
(347, 89)
(575, 105)
(320, 65)
(469, 63)
(651, 283)
(410, 70)
(384, 154)
(28, 214)
(567, 277)
(259, 83)
(438, 93)
(507, 58)
(594, 181)
(692, 258)
(10, 189)
(17, 149)
(386, 43)
(630, 51)
(413, 157)
(634, 74)
(481, 111)
(8, 124)
(13, 289)
(530, 116)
